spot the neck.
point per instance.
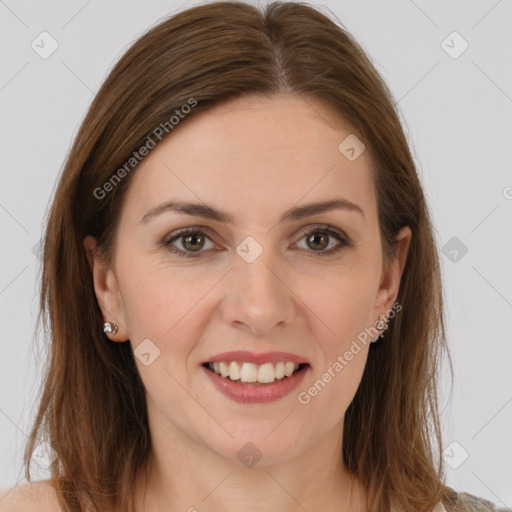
(205, 481)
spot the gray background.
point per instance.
(457, 114)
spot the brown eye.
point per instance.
(191, 241)
(317, 241)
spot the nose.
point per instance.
(259, 296)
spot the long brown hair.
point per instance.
(92, 409)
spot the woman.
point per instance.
(242, 283)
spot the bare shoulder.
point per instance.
(40, 496)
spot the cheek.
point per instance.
(334, 385)
(160, 309)
(152, 300)
(166, 306)
(342, 304)
(150, 305)
(346, 380)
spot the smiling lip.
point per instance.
(250, 393)
(259, 359)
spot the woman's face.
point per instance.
(253, 278)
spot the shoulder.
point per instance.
(469, 503)
(40, 496)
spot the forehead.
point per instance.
(253, 155)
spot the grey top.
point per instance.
(470, 503)
(464, 502)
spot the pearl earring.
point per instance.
(110, 327)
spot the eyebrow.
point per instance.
(209, 212)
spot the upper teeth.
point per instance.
(250, 372)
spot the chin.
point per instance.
(261, 449)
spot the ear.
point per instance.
(106, 289)
(392, 273)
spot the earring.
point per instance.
(382, 325)
(110, 327)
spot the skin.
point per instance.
(279, 152)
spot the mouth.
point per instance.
(251, 383)
(251, 374)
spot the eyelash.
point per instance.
(338, 235)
